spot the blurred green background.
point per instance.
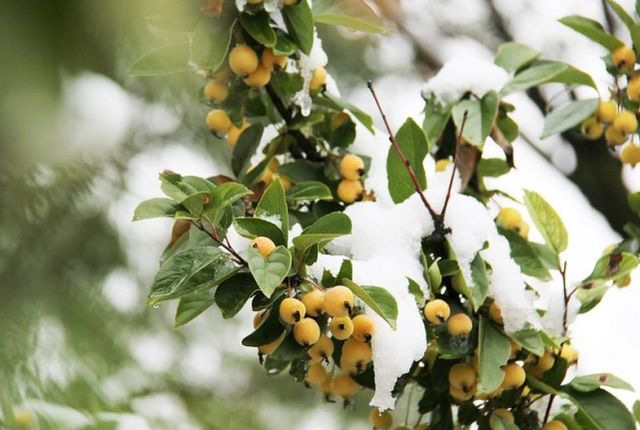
(81, 143)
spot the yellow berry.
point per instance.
(341, 327)
(326, 386)
(441, 165)
(350, 368)
(259, 77)
(351, 167)
(514, 376)
(349, 191)
(437, 311)
(592, 129)
(338, 119)
(624, 59)
(354, 351)
(218, 121)
(615, 136)
(258, 318)
(267, 177)
(264, 246)
(272, 61)
(626, 122)
(606, 112)
(316, 374)
(630, 154)
(633, 89)
(459, 325)
(344, 386)
(509, 218)
(502, 413)
(313, 303)
(462, 395)
(495, 313)
(338, 301)
(289, 2)
(222, 76)
(235, 132)
(380, 420)
(270, 347)
(363, 328)
(321, 350)
(254, 1)
(319, 78)
(555, 425)
(462, 376)
(243, 60)
(216, 91)
(624, 282)
(292, 310)
(523, 229)
(569, 353)
(515, 349)
(22, 419)
(546, 362)
(306, 332)
(286, 183)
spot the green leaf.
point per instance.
(494, 350)
(167, 59)
(622, 14)
(378, 299)
(192, 305)
(273, 204)
(436, 117)
(184, 273)
(269, 330)
(299, 21)
(634, 202)
(512, 56)
(322, 231)
(569, 116)
(309, 191)
(284, 46)
(251, 228)
(530, 339)
(525, 255)
(547, 221)
(599, 409)
(288, 350)
(508, 127)
(233, 293)
(480, 281)
(636, 410)
(502, 423)
(352, 14)
(480, 119)
(245, 148)
(179, 187)
(155, 208)
(416, 291)
(588, 383)
(634, 31)
(612, 267)
(301, 171)
(221, 198)
(257, 25)
(590, 294)
(413, 143)
(339, 104)
(533, 76)
(210, 43)
(269, 272)
(592, 30)
(493, 167)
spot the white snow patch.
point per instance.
(458, 77)
(317, 58)
(274, 219)
(553, 319)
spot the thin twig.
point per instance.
(403, 158)
(313, 283)
(563, 272)
(214, 235)
(455, 165)
(548, 411)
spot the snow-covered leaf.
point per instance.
(413, 143)
(233, 293)
(299, 21)
(378, 299)
(273, 204)
(493, 352)
(513, 56)
(192, 305)
(593, 30)
(568, 116)
(155, 208)
(588, 383)
(210, 43)
(251, 227)
(269, 272)
(257, 25)
(322, 231)
(355, 15)
(480, 119)
(245, 148)
(167, 59)
(547, 221)
(309, 191)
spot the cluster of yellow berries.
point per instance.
(339, 303)
(350, 188)
(616, 123)
(511, 219)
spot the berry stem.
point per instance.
(317, 286)
(403, 158)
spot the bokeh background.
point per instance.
(81, 143)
